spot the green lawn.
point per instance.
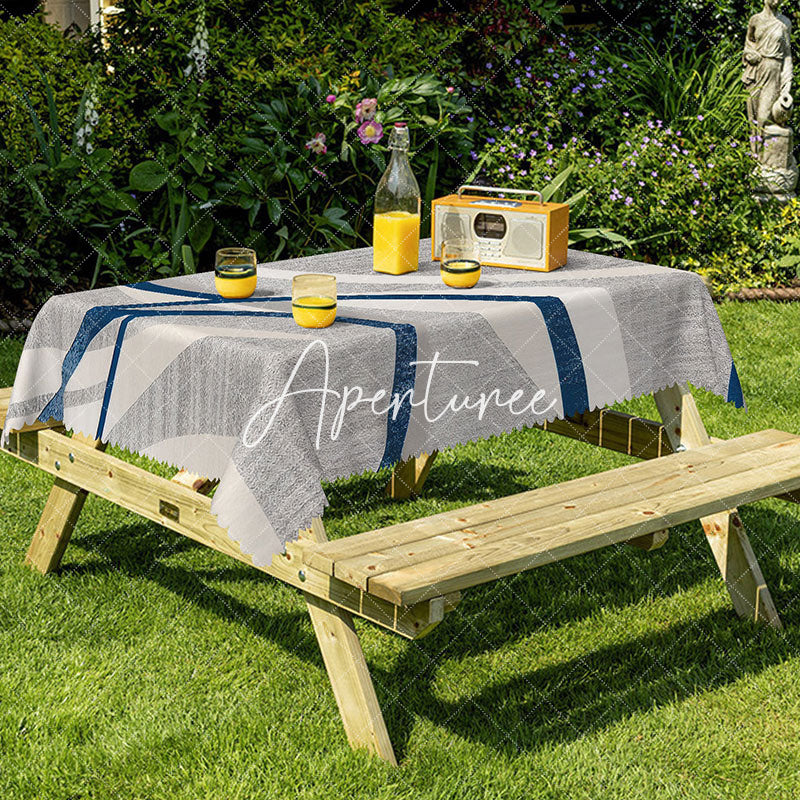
(151, 667)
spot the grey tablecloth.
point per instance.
(234, 389)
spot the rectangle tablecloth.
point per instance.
(235, 390)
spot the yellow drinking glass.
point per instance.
(314, 300)
(460, 265)
(235, 272)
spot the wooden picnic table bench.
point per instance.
(407, 576)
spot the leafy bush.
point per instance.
(678, 200)
(29, 47)
(183, 143)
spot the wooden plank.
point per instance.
(55, 526)
(409, 476)
(349, 674)
(612, 491)
(197, 483)
(724, 532)
(148, 495)
(613, 430)
(174, 506)
(519, 548)
(408, 534)
(412, 622)
(650, 541)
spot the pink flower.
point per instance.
(331, 98)
(370, 132)
(450, 89)
(366, 109)
(317, 144)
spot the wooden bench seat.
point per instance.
(429, 557)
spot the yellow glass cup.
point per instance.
(314, 300)
(235, 272)
(460, 266)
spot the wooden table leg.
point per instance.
(348, 671)
(61, 512)
(409, 476)
(725, 533)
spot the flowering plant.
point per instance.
(677, 200)
(312, 163)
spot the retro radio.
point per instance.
(522, 234)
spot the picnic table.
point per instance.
(257, 411)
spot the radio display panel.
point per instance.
(489, 226)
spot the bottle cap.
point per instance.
(400, 124)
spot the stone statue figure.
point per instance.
(767, 75)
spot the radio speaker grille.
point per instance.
(455, 226)
(526, 238)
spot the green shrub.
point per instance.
(681, 202)
(29, 45)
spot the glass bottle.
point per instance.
(395, 235)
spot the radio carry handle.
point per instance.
(499, 189)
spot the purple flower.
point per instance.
(700, 117)
(654, 173)
(624, 66)
(331, 98)
(490, 140)
(317, 144)
(474, 155)
(450, 89)
(523, 172)
(628, 201)
(502, 148)
(488, 65)
(580, 113)
(519, 130)
(547, 84)
(370, 132)
(470, 119)
(506, 128)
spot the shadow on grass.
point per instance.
(138, 551)
(565, 701)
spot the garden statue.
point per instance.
(767, 75)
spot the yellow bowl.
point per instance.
(314, 312)
(235, 283)
(461, 274)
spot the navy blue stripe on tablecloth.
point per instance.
(93, 323)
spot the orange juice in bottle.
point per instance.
(395, 235)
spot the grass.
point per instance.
(151, 667)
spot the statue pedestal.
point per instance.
(776, 174)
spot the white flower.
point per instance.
(198, 50)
